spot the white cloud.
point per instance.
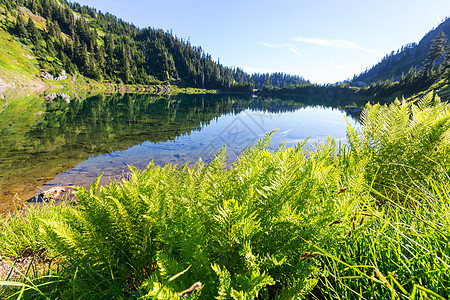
(294, 49)
(342, 44)
(270, 45)
(290, 47)
(252, 70)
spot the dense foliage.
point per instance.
(370, 220)
(100, 46)
(406, 143)
(277, 80)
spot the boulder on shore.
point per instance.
(49, 76)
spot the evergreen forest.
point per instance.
(81, 40)
(100, 46)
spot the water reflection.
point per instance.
(60, 142)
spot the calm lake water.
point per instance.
(47, 143)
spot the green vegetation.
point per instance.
(369, 219)
(56, 134)
(80, 40)
(410, 56)
(278, 80)
(403, 254)
(15, 60)
(406, 143)
(413, 69)
(330, 92)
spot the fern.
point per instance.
(403, 142)
(242, 228)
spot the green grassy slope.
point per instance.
(17, 64)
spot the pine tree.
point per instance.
(99, 56)
(125, 66)
(84, 58)
(33, 31)
(437, 49)
(109, 51)
(20, 28)
(268, 82)
(447, 57)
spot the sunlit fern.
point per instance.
(404, 142)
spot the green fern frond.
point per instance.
(265, 141)
(224, 285)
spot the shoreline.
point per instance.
(79, 83)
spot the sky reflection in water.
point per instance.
(236, 131)
(55, 143)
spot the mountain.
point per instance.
(59, 40)
(412, 55)
(61, 35)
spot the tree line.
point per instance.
(80, 39)
(277, 79)
(436, 66)
(98, 45)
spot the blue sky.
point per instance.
(324, 41)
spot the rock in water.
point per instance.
(54, 193)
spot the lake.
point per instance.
(70, 142)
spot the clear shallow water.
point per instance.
(236, 131)
(74, 143)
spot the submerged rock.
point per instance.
(55, 193)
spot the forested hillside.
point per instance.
(56, 35)
(280, 80)
(79, 39)
(428, 63)
(405, 61)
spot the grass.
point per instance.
(16, 61)
(403, 255)
(340, 222)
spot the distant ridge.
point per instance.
(411, 55)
